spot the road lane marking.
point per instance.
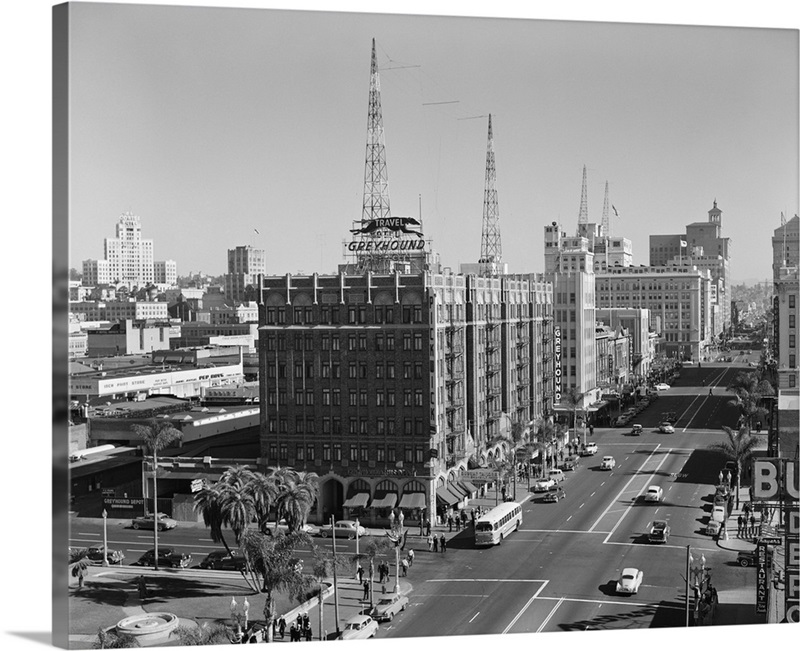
(603, 602)
(552, 612)
(525, 607)
(474, 616)
(613, 502)
(581, 506)
(487, 580)
(558, 531)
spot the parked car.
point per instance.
(555, 495)
(746, 558)
(543, 484)
(167, 557)
(359, 627)
(659, 532)
(719, 513)
(637, 430)
(96, 555)
(630, 580)
(149, 521)
(607, 463)
(342, 528)
(662, 386)
(222, 560)
(653, 494)
(589, 449)
(388, 607)
(713, 527)
(666, 427)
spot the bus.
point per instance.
(492, 527)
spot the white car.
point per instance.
(359, 627)
(629, 581)
(666, 427)
(661, 386)
(653, 494)
(544, 484)
(590, 449)
(343, 529)
(719, 514)
(389, 606)
(607, 463)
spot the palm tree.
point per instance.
(739, 448)
(79, 564)
(110, 639)
(574, 399)
(264, 493)
(372, 547)
(156, 436)
(749, 391)
(207, 501)
(546, 436)
(274, 562)
(325, 563)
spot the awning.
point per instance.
(446, 496)
(386, 502)
(457, 489)
(468, 485)
(359, 500)
(413, 501)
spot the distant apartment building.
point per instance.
(245, 264)
(704, 241)
(129, 337)
(642, 337)
(680, 296)
(120, 310)
(96, 272)
(165, 272)
(200, 333)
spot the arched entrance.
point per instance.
(331, 498)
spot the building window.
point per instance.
(381, 454)
(300, 452)
(380, 427)
(792, 361)
(791, 301)
(418, 341)
(407, 370)
(379, 399)
(337, 451)
(390, 342)
(390, 398)
(792, 341)
(418, 398)
(353, 453)
(364, 452)
(352, 342)
(409, 454)
(326, 451)
(378, 343)
(337, 397)
(408, 426)
(390, 371)
(362, 342)
(298, 397)
(418, 370)
(791, 320)
(352, 371)
(362, 398)
(406, 397)
(391, 454)
(379, 371)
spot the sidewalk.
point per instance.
(732, 541)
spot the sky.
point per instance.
(540, 147)
(223, 127)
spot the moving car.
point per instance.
(659, 532)
(389, 606)
(637, 430)
(544, 484)
(342, 528)
(556, 474)
(607, 463)
(666, 427)
(95, 555)
(149, 521)
(661, 386)
(629, 581)
(746, 558)
(589, 449)
(653, 494)
(222, 560)
(553, 496)
(359, 627)
(167, 557)
(570, 463)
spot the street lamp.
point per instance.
(396, 535)
(105, 538)
(239, 617)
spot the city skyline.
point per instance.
(176, 122)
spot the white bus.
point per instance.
(492, 527)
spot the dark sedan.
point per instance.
(222, 560)
(167, 557)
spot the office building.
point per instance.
(245, 264)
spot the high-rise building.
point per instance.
(165, 272)
(130, 257)
(245, 264)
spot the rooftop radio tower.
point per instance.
(376, 180)
(606, 224)
(583, 215)
(491, 251)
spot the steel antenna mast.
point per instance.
(491, 249)
(583, 214)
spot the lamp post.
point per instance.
(396, 535)
(335, 582)
(105, 538)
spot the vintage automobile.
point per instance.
(167, 557)
(149, 522)
(95, 555)
(555, 495)
(607, 463)
(659, 532)
(388, 607)
(746, 557)
(359, 627)
(629, 581)
(570, 463)
(637, 430)
(589, 449)
(342, 529)
(222, 560)
(666, 427)
(662, 386)
(543, 484)
(654, 494)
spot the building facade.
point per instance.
(129, 255)
(245, 264)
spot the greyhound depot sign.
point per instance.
(382, 238)
(776, 479)
(557, 364)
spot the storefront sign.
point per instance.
(557, 364)
(479, 473)
(792, 563)
(762, 579)
(775, 479)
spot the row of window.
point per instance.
(344, 315)
(356, 426)
(356, 453)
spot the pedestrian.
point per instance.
(449, 522)
(359, 573)
(430, 542)
(141, 583)
(472, 517)
(591, 430)
(410, 557)
(366, 591)
(308, 632)
(740, 522)
(746, 509)
(710, 391)
(753, 524)
(404, 567)
(704, 382)
(436, 543)
(427, 527)
(443, 543)
(293, 632)
(281, 626)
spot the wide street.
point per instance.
(558, 572)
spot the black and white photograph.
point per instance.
(412, 324)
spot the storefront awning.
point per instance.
(457, 489)
(444, 495)
(359, 500)
(386, 502)
(468, 485)
(412, 501)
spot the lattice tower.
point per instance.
(491, 249)
(606, 224)
(583, 214)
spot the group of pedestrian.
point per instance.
(383, 571)
(299, 630)
(747, 524)
(459, 520)
(437, 543)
